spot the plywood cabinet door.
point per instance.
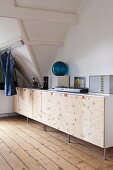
(93, 120)
(36, 105)
(48, 108)
(71, 115)
(29, 102)
(61, 112)
(15, 102)
(56, 115)
(22, 101)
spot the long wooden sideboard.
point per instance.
(86, 116)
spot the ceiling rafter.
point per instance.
(69, 8)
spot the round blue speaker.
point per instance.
(59, 68)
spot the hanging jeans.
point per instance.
(1, 78)
(8, 66)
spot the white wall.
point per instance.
(88, 47)
(6, 103)
(9, 31)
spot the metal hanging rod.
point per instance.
(13, 45)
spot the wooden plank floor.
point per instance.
(25, 146)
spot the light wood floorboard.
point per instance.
(26, 146)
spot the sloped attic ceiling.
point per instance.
(43, 24)
(10, 33)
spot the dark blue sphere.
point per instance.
(59, 68)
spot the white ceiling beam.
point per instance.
(25, 38)
(6, 10)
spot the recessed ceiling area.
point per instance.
(45, 31)
(46, 55)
